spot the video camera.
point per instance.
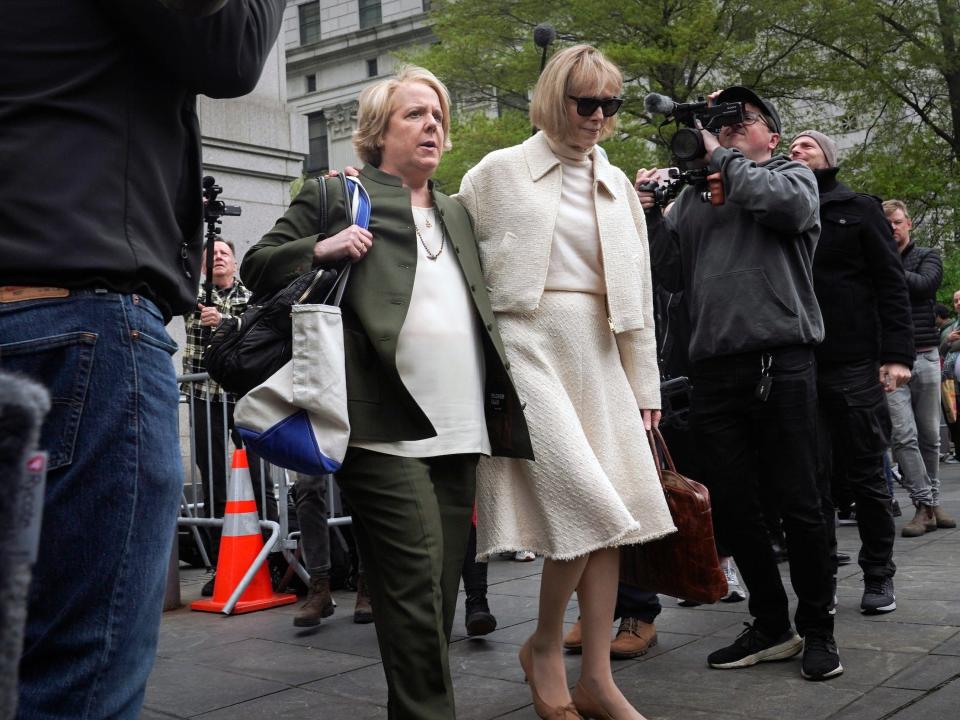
(213, 211)
(687, 147)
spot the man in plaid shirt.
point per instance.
(230, 299)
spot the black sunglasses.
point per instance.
(587, 106)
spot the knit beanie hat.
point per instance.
(828, 146)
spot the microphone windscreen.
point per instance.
(544, 34)
(655, 103)
(208, 182)
(23, 405)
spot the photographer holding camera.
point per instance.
(745, 267)
(212, 406)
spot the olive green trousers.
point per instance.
(412, 519)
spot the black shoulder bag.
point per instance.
(243, 352)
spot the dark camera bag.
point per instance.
(243, 352)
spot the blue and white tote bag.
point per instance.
(297, 418)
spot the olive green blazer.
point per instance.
(375, 304)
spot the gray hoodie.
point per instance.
(746, 265)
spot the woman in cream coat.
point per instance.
(564, 251)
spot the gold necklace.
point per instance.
(426, 220)
(430, 255)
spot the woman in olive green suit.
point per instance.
(428, 385)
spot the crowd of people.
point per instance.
(504, 350)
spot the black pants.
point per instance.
(315, 537)
(210, 440)
(856, 430)
(954, 429)
(745, 442)
(474, 573)
(312, 514)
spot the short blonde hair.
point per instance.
(891, 206)
(376, 104)
(569, 71)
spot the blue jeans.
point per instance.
(113, 488)
(915, 411)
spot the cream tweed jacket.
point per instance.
(515, 246)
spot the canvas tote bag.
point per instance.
(297, 418)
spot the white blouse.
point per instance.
(576, 259)
(440, 353)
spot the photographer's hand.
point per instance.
(209, 316)
(644, 176)
(348, 170)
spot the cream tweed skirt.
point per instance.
(593, 484)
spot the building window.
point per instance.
(369, 13)
(372, 70)
(311, 83)
(318, 161)
(849, 123)
(309, 22)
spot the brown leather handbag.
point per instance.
(684, 564)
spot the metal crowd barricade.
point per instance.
(195, 513)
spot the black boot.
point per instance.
(207, 589)
(319, 604)
(479, 620)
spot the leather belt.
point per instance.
(20, 293)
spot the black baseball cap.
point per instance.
(738, 93)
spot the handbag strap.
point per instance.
(322, 208)
(358, 208)
(661, 453)
(322, 219)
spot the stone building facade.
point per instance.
(334, 49)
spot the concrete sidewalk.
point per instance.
(904, 665)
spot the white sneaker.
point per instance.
(524, 556)
(735, 591)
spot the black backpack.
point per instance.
(243, 352)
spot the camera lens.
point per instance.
(687, 144)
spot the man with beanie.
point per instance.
(745, 268)
(915, 407)
(867, 352)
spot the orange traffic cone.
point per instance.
(240, 544)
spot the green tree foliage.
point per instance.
(891, 69)
(681, 48)
(881, 75)
(473, 136)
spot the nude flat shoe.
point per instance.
(544, 711)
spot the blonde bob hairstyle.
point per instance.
(376, 104)
(578, 70)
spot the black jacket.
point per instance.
(100, 144)
(924, 272)
(859, 279)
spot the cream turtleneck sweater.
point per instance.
(576, 260)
